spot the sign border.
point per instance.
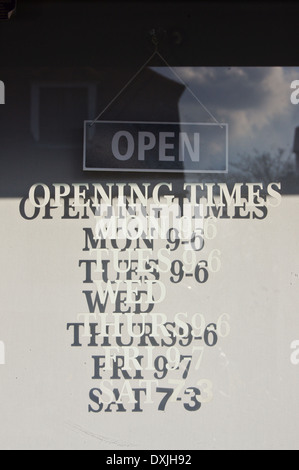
(158, 170)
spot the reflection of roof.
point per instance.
(150, 96)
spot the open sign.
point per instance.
(162, 147)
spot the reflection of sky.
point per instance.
(254, 101)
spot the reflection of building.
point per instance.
(42, 133)
(149, 98)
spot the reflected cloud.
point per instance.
(250, 99)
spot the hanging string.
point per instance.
(124, 88)
(156, 52)
(189, 89)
